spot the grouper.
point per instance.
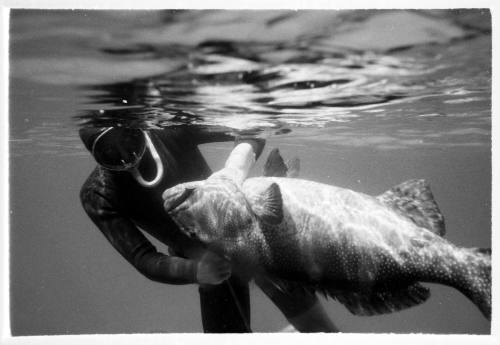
(370, 253)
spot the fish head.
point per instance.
(214, 211)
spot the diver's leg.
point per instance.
(313, 319)
(301, 308)
(225, 308)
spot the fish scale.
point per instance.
(369, 253)
(341, 229)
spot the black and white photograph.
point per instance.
(176, 171)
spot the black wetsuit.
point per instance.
(121, 208)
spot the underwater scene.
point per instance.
(365, 99)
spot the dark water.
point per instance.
(366, 100)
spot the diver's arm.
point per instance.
(242, 158)
(208, 134)
(129, 241)
(256, 143)
(204, 135)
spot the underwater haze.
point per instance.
(366, 99)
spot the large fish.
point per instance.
(369, 253)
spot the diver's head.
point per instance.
(122, 149)
(115, 148)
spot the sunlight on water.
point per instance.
(438, 71)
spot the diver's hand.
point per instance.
(212, 269)
(256, 143)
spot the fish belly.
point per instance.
(337, 236)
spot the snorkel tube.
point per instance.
(159, 166)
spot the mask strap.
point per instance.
(159, 166)
(99, 137)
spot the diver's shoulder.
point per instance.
(178, 135)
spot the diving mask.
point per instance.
(122, 149)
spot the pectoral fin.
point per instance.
(268, 205)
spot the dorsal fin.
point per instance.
(415, 200)
(268, 205)
(276, 166)
(293, 166)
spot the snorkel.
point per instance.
(159, 166)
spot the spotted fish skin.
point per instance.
(363, 251)
(334, 236)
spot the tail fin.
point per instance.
(414, 199)
(476, 278)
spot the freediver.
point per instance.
(122, 196)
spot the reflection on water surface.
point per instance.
(397, 79)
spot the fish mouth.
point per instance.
(172, 202)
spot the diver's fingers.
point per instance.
(225, 276)
(220, 260)
(212, 269)
(209, 255)
(215, 278)
(221, 270)
(224, 267)
(221, 276)
(213, 257)
(221, 266)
